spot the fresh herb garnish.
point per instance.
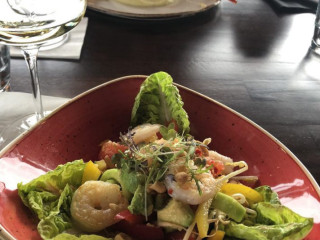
(153, 160)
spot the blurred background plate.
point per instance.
(177, 9)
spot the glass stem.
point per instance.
(31, 55)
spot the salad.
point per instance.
(158, 182)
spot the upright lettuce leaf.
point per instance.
(159, 102)
(49, 197)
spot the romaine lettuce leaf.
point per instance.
(266, 232)
(276, 214)
(137, 205)
(159, 102)
(54, 181)
(268, 195)
(271, 214)
(129, 178)
(58, 219)
(168, 132)
(51, 226)
(66, 236)
(50, 196)
(273, 221)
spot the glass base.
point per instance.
(315, 43)
(17, 127)
(54, 43)
(315, 47)
(5, 87)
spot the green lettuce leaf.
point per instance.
(49, 197)
(168, 132)
(41, 202)
(51, 226)
(276, 214)
(58, 219)
(266, 232)
(66, 236)
(137, 205)
(273, 221)
(129, 178)
(268, 195)
(54, 181)
(159, 102)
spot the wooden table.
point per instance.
(246, 56)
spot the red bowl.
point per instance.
(75, 130)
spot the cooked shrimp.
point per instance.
(182, 187)
(186, 189)
(145, 133)
(95, 204)
(224, 159)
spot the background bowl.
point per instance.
(76, 129)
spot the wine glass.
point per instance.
(29, 24)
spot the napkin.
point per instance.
(294, 6)
(15, 105)
(71, 49)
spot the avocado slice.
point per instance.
(229, 206)
(137, 205)
(176, 212)
(113, 176)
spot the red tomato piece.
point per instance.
(159, 135)
(140, 231)
(198, 152)
(217, 167)
(129, 217)
(108, 149)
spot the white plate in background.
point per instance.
(179, 8)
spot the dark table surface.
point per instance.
(246, 55)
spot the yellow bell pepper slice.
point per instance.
(218, 235)
(201, 218)
(251, 195)
(91, 172)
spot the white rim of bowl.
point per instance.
(151, 16)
